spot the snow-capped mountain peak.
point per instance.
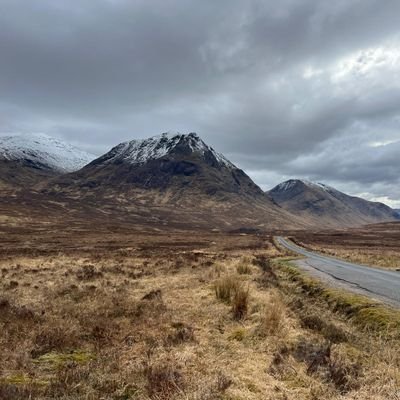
(155, 147)
(44, 151)
(291, 183)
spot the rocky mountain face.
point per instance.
(177, 174)
(165, 162)
(325, 206)
(28, 159)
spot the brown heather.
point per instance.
(128, 314)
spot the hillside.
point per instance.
(174, 177)
(28, 159)
(325, 206)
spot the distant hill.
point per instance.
(325, 206)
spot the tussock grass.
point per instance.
(226, 287)
(243, 269)
(240, 302)
(231, 290)
(272, 317)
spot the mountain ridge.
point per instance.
(43, 152)
(170, 175)
(177, 172)
(27, 160)
(329, 206)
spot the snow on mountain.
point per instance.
(141, 151)
(287, 185)
(326, 205)
(44, 151)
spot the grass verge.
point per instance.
(368, 314)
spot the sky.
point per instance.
(285, 89)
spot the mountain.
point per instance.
(43, 152)
(169, 160)
(325, 206)
(174, 176)
(27, 159)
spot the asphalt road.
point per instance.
(375, 283)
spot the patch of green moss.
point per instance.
(22, 379)
(59, 359)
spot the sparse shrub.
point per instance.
(182, 333)
(19, 389)
(268, 277)
(312, 321)
(344, 372)
(57, 336)
(163, 380)
(223, 382)
(207, 263)
(322, 360)
(280, 367)
(329, 330)
(240, 302)
(12, 285)
(215, 389)
(314, 354)
(88, 272)
(152, 304)
(4, 303)
(179, 263)
(153, 295)
(334, 333)
(262, 262)
(9, 310)
(102, 330)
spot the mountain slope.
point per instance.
(28, 159)
(43, 152)
(178, 176)
(325, 206)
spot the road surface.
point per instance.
(375, 283)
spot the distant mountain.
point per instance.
(27, 159)
(43, 152)
(179, 176)
(324, 206)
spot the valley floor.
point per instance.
(375, 245)
(129, 314)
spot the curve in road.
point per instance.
(372, 282)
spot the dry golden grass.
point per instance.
(148, 316)
(378, 258)
(375, 245)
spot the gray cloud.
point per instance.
(308, 89)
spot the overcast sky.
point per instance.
(288, 88)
